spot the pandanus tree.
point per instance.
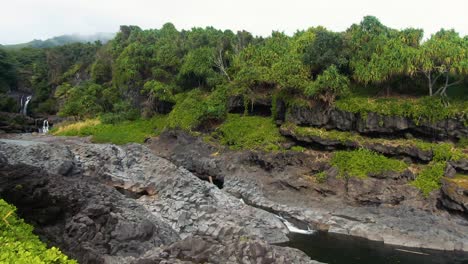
(442, 59)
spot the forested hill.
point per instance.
(62, 40)
(142, 72)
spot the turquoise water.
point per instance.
(341, 249)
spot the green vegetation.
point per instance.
(196, 107)
(362, 162)
(321, 177)
(20, 245)
(249, 132)
(120, 133)
(143, 68)
(341, 136)
(429, 178)
(329, 85)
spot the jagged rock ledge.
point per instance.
(373, 123)
(382, 208)
(410, 151)
(67, 191)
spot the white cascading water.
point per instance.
(24, 109)
(293, 229)
(45, 127)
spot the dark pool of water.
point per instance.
(341, 249)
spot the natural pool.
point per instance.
(341, 249)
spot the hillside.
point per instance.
(62, 40)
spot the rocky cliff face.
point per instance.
(374, 123)
(382, 207)
(109, 204)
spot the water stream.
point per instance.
(341, 249)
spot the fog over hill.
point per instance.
(64, 39)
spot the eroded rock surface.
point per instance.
(81, 211)
(386, 149)
(382, 207)
(88, 220)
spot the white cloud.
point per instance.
(24, 20)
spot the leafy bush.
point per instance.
(362, 162)
(249, 132)
(195, 107)
(20, 245)
(328, 86)
(81, 101)
(159, 90)
(428, 179)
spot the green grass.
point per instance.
(121, 133)
(249, 132)
(362, 162)
(429, 178)
(424, 108)
(323, 133)
(20, 245)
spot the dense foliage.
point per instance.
(142, 68)
(429, 178)
(20, 245)
(249, 132)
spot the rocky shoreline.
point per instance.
(381, 208)
(146, 203)
(177, 217)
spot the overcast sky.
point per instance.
(24, 20)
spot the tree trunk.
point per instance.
(428, 75)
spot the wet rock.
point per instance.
(455, 194)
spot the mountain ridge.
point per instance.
(62, 40)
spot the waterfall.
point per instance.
(45, 127)
(24, 107)
(293, 229)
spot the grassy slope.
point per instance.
(121, 133)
